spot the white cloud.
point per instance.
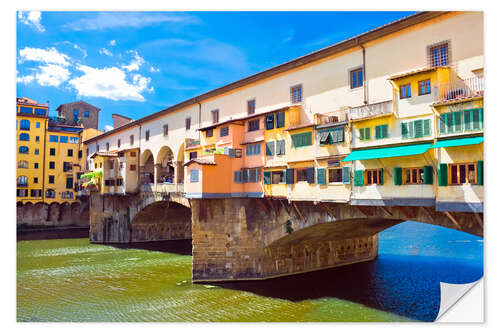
(31, 19)
(25, 79)
(110, 83)
(112, 42)
(48, 56)
(154, 70)
(136, 62)
(108, 128)
(106, 52)
(51, 75)
(112, 20)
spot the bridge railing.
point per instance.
(163, 187)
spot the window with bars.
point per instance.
(381, 131)
(416, 129)
(424, 87)
(405, 91)
(215, 116)
(254, 125)
(302, 139)
(296, 93)
(438, 55)
(251, 106)
(460, 121)
(356, 77)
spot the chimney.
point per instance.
(119, 120)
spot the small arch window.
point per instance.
(23, 150)
(22, 181)
(24, 137)
(25, 124)
(22, 164)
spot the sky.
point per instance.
(137, 63)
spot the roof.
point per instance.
(352, 42)
(200, 161)
(107, 154)
(416, 71)
(397, 151)
(291, 128)
(119, 115)
(78, 102)
(458, 142)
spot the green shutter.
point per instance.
(428, 175)
(457, 120)
(362, 134)
(378, 132)
(404, 130)
(419, 128)
(385, 131)
(367, 133)
(398, 176)
(442, 124)
(427, 127)
(443, 174)
(467, 120)
(476, 115)
(270, 148)
(308, 136)
(411, 126)
(321, 176)
(267, 177)
(381, 174)
(346, 175)
(480, 173)
(449, 122)
(359, 177)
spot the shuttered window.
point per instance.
(359, 177)
(398, 176)
(194, 176)
(480, 173)
(280, 147)
(333, 135)
(381, 131)
(321, 175)
(416, 129)
(269, 121)
(459, 121)
(224, 131)
(267, 177)
(253, 149)
(443, 174)
(346, 175)
(310, 175)
(280, 119)
(290, 176)
(364, 133)
(270, 148)
(302, 140)
(428, 175)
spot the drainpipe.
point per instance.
(46, 124)
(139, 160)
(365, 87)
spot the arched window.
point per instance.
(22, 181)
(25, 124)
(22, 164)
(23, 150)
(50, 193)
(24, 137)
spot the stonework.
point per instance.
(55, 214)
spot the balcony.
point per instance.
(459, 89)
(333, 117)
(371, 110)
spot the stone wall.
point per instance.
(55, 214)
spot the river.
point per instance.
(71, 280)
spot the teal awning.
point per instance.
(369, 154)
(458, 142)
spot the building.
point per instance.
(391, 117)
(80, 112)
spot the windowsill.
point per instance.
(336, 184)
(355, 88)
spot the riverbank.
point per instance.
(27, 232)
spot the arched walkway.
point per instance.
(165, 167)
(147, 167)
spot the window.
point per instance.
(70, 152)
(51, 179)
(37, 125)
(23, 150)
(280, 119)
(132, 167)
(356, 78)
(374, 177)
(335, 175)
(302, 140)
(209, 133)
(405, 91)
(41, 112)
(381, 131)
(119, 143)
(24, 125)
(63, 139)
(253, 125)
(107, 145)
(73, 139)
(53, 138)
(22, 192)
(215, 116)
(35, 180)
(280, 147)
(36, 151)
(131, 140)
(25, 109)
(270, 148)
(302, 175)
(37, 138)
(251, 175)
(69, 182)
(52, 152)
(424, 87)
(413, 176)
(253, 149)
(224, 131)
(35, 165)
(277, 177)
(132, 154)
(22, 181)
(459, 121)
(50, 194)
(438, 55)
(188, 123)
(296, 93)
(251, 106)
(86, 113)
(52, 165)
(147, 135)
(24, 137)
(111, 165)
(22, 164)
(238, 177)
(67, 195)
(165, 130)
(119, 182)
(333, 135)
(194, 176)
(193, 155)
(67, 166)
(237, 153)
(36, 193)
(463, 173)
(269, 121)
(416, 129)
(364, 134)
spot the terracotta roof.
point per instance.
(416, 71)
(200, 161)
(352, 42)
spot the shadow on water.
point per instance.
(52, 233)
(178, 246)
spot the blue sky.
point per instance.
(136, 63)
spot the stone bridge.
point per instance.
(248, 238)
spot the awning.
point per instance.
(369, 154)
(323, 137)
(458, 142)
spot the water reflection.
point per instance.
(178, 246)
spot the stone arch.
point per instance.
(165, 166)
(147, 163)
(65, 217)
(41, 210)
(161, 220)
(53, 215)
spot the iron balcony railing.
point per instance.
(371, 110)
(459, 89)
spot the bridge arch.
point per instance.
(147, 162)
(165, 167)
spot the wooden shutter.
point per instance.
(321, 176)
(428, 175)
(385, 131)
(404, 130)
(270, 148)
(480, 173)
(467, 120)
(457, 121)
(419, 128)
(443, 174)
(398, 176)
(280, 119)
(476, 117)
(442, 124)
(449, 122)
(367, 133)
(346, 175)
(267, 177)
(378, 130)
(290, 176)
(310, 175)
(427, 127)
(308, 138)
(362, 134)
(381, 176)
(270, 121)
(359, 177)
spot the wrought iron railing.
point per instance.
(458, 89)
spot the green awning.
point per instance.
(369, 154)
(458, 142)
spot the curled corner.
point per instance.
(451, 294)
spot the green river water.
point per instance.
(72, 280)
